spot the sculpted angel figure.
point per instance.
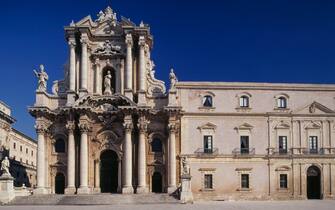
(101, 16)
(42, 77)
(107, 84)
(173, 80)
(5, 166)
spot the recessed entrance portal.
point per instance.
(313, 183)
(59, 183)
(156, 183)
(108, 171)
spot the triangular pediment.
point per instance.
(207, 126)
(86, 21)
(314, 108)
(282, 125)
(244, 126)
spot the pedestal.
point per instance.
(129, 94)
(186, 195)
(141, 98)
(127, 190)
(83, 190)
(71, 98)
(70, 190)
(6, 188)
(172, 98)
(142, 190)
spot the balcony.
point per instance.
(243, 151)
(207, 152)
(282, 152)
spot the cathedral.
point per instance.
(111, 127)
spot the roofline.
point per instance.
(255, 86)
(24, 135)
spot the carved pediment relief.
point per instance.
(283, 168)
(104, 103)
(282, 125)
(314, 108)
(108, 48)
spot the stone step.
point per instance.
(96, 199)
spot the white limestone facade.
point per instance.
(111, 126)
(19, 148)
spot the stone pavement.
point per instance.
(222, 205)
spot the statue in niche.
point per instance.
(42, 77)
(173, 80)
(107, 84)
(5, 166)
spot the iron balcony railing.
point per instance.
(243, 151)
(206, 151)
(281, 152)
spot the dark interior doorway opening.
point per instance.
(157, 185)
(313, 183)
(108, 171)
(59, 183)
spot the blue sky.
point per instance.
(213, 40)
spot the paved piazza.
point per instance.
(227, 205)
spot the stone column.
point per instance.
(98, 79)
(84, 60)
(41, 129)
(142, 71)
(129, 63)
(325, 135)
(172, 158)
(127, 187)
(70, 189)
(142, 163)
(119, 176)
(72, 72)
(97, 176)
(84, 129)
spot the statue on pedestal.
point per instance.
(173, 80)
(186, 167)
(5, 166)
(107, 84)
(42, 77)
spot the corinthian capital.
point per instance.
(142, 125)
(84, 127)
(129, 40)
(70, 126)
(72, 43)
(41, 127)
(84, 39)
(128, 126)
(141, 41)
(172, 127)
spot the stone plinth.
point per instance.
(172, 98)
(7, 192)
(186, 195)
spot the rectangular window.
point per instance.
(208, 181)
(282, 144)
(208, 144)
(245, 181)
(20, 148)
(244, 144)
(313, 144)
(26, 150)
(32, 152)
(14, 145)
(283, 181)
(244, 101)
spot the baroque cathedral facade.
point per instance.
(111, 126)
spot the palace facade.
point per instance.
(111, 126)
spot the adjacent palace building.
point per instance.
(111, 126)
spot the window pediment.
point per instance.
(207, 126)
(283, 168)
(244, 126)
(313, 125)
(282, 125)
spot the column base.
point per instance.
(127, 190)
(142, 190)
(71, 98)
(70, 190)
(171, 189)
(83, 190)
(82, 92)
(40, 191)
(141, 98)
(129, 94)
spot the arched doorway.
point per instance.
(59, 183)
(313, 183)
(156, 184)
(108, 171)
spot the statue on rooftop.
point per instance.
(42, 77)
(173, 80)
